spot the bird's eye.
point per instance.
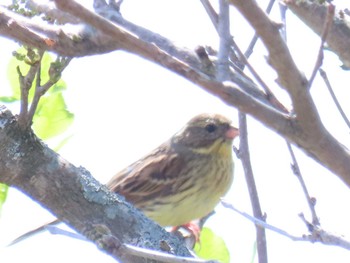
(210, 127)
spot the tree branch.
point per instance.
(326, 27)
(223, 71)
(244, 155)
(297, 172)
(71, 193)
(70, 40)
(289, 76)
(317, 141)
(334, 97)
(316, 234)
(306, 131)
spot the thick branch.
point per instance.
(289, 76)
(71, 193)
(316, 141)
(69, 41)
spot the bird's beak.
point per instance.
(231, 133)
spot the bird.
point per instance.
(184, 178)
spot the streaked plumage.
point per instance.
(184, 178)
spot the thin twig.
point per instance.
(327, 25)
(117, 248)
(244, 156)
(242, 58)
(211, 12)
(283, 11)
(55, 73)
(225, 38)
(252, 43)
(261, 223)
(245, 61)
(280, 106)
(223, 29)
(316, 233)
(37, 95)
(47, 226)
(25, 85)
(295, 165)
(334, 97)
(296, 171)
(271, 97)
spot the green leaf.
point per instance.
(8, 99)
(212, 246)
(3, 194)
(12, 74)
(45, 65)
(254, 252)
(52, 116)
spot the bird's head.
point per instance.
(207, 133)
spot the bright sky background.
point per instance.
(125, 107)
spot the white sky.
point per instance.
(125, 107)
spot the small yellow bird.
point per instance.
(184, 178)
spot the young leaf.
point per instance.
(52, 117)
(212, 246)
(3, 194)
(8, 99)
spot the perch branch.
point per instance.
(54, 182)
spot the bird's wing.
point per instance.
(150, 178)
